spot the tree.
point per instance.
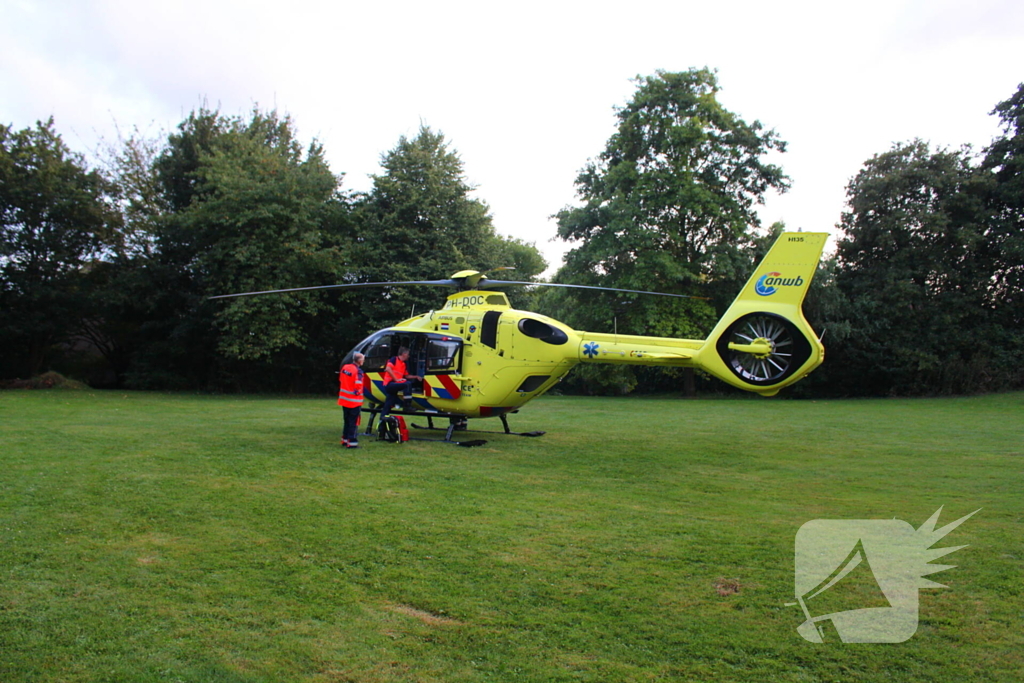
(130, 165)
(419, 222)
(119, 284)
(1004, 159)
(55, 218)
(258, 226)
(246, 210)
(913, 272)
(668, 205)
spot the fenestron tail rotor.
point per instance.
(763, 342)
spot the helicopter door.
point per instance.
(442, 356)
(435, 357)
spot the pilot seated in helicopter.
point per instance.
(397, 381)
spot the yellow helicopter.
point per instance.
(479, 357)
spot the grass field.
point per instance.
(152, 537)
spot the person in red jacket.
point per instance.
(396, 381)
(350, 398)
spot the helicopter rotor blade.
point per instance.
(483, 283)
(493, 284)
(354, 285)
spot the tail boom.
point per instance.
(637, 350)
(763, 342)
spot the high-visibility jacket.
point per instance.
(351, 393)
(398, 365)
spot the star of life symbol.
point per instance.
(860, 577)
(590, 349)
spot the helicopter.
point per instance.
(479, 358)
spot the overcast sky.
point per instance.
(523, 91)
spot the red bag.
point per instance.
(403, 431)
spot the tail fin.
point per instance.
(763, 342)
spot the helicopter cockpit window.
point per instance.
(442, 354)
(377, 351)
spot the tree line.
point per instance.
(107, 271)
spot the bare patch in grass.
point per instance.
(725, 587)
(520, 555)
(428, 618)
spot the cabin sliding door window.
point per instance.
(443, 355)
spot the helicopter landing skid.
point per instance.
(456, 423)
(461, 424)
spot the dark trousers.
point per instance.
(351, 423)
(391, 392)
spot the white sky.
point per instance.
(523, 91)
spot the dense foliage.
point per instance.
(928, 277)
(106, 273)
(109, 275)
(55, 217)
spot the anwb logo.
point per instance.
(768, 284)
(857, 581)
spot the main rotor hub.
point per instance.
(468, 279)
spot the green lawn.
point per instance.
(153, 537)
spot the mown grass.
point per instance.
(150, 537)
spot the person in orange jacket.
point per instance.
(350, 398)
(396, 381)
